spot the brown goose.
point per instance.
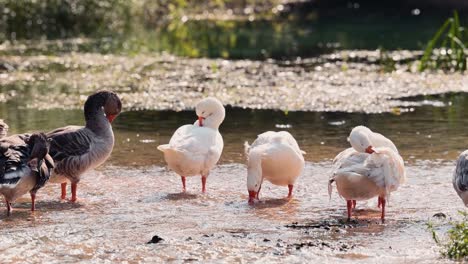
(76, 149)
(25, 166)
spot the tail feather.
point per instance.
(11, 178)
(246, 148)
(163, 148)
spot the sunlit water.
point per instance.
(134, 197)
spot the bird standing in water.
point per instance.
(77, 149)
(275, 157)
(25, 166)
(195, 149)
(371, 167)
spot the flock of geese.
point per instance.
(371, 167)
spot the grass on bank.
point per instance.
(454, 244)
(447, 49)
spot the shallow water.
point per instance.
(133, 197)
(434, 130)
(121, 208)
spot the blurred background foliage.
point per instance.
(234, 29)
(29, 19)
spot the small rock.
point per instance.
(156, 239)
(440, 215)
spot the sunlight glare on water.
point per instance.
(133, 196)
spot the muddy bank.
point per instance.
(349, 81)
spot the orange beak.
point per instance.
(252, 196)
(200, 120)
(111, 118)
(369, 150)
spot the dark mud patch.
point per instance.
(181, 196)
(270, 203)
(332, 245)
(340, 226)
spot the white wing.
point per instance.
(380, 140)
(277, 137)
(384, 167)
(388, 169)
(348, 158)
(347, 161)
(196, 143)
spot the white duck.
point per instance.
(372, 167)
(195, 149)
(460, 177)
(276, 157)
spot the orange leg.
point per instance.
(379, 202)
(64, 190)
(290, 187)
(33, 201)
(258, 193)
(73, 189)
(354, 204)
(203, 182)
(349, 204)
(9, 208)
(382, 202)
(183, 183)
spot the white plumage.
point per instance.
(372, 167)
(275, 157)
(195, 149)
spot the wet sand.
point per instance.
(120, 209)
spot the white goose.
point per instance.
(275, 157)
(371, 167)
(460, 177)
(195, 149)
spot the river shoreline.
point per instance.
(346, 81)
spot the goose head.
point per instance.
(103, 102)
(254, 176)
(360, 141)
(40, 148)
(210, 112)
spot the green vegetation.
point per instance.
(447, 51)
(386, 62)
(51, 19)
(54, 19)
(455, 245)
(231, 29)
